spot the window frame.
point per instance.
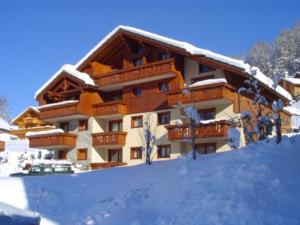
(159, 116)
(85, 127)
(64, 125)
(115, 121)
(139, 150)
(159, 87)
(134, 92)
(62, 153)
(208, 110)
(82, 151)
(159, 147)
(206, 145)
(136, 117)
(201, 70)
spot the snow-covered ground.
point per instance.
(258, 184)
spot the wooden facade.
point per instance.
(105, 139)
(2, 146)
(135, 75)
(53, 141)
(212, 130)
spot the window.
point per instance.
(204, 68)
(115, 155)
(196, 79)
(136, 121)
(136, 153)
(83, 125)
(163, 118)
(138, 62)
(64, 126)
(116, 125)
(164, 56)
(163, 151)
(163, 87)
(206, 148)
(82, 154)
(207, 114)
(62, 154)
(137, 91)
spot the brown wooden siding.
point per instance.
(136, 73)
(201, 93)
(110, 108)
(109, 138)
(212, 130)
(2, 146)
(58, 140)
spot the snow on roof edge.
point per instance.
(71, 70)
(25, 110)
(190, 49)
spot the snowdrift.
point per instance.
(258, 184)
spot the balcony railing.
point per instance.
(2, 145)
(149, 70)
(109, 138)
(201, 93)
(53, 141)
(105, 165)
(62, 110)
(110, 108)
(181, 132)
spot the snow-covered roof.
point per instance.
(58, 104)
(24, 111)
(292, 80)
(7, 137)
(193, 50)
(292, 110)
(38, 133)
(71, 70)
(4, 125)
(208, 81)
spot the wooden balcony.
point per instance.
(110, 109)
(106, 139)
(138, 74)
(221, 91)
(53, 141)
(182, 132)
(63, 110)
(2, 146)
(106, 165)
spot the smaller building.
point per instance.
(29, 121)
(292, 85)
(4, 130)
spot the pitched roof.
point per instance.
(192, 50)
(70, 70)
(24, 111)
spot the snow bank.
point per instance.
(258, 184)
(45, 132)
(58, 104)
(71, 70)
(208, 81)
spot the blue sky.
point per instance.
(38, 37)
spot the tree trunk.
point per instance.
(193, 134)
(278, 129)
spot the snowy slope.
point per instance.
(256, 185)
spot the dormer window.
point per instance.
(164, 56)
(204, 68)
(138, 62)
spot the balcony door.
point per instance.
(115, 125)
(115, 155)
(206, 148)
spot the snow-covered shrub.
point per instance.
(234, 138)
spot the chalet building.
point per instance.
(133, 77)
(292, 85)
(29, 121)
